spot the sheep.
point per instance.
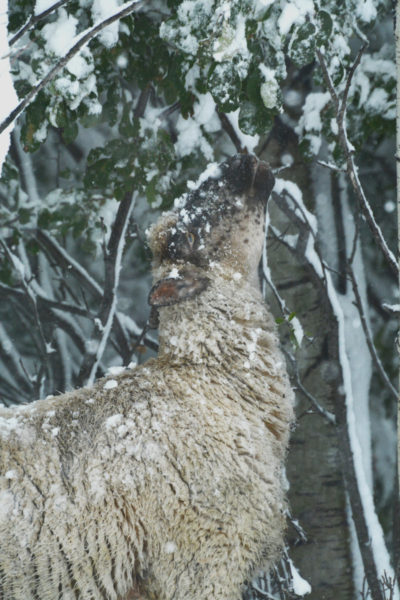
(164, 482)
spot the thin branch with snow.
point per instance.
(228, 127)
(35, 19)
(79, 42)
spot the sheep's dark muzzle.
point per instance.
(263, 182)
(245, 174)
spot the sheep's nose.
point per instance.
(263, 180)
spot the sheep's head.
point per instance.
(221, 223)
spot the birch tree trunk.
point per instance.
(316, 495)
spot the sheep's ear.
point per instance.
(172, 291)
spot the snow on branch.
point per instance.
(78, 42)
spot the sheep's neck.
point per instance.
(228, 322)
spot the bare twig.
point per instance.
(113, 257)
(322, 411)
(44, 302)
(12, 361)
(31, 296)
(61, 256)
(83, 39)
(330, 166)
(340, 108)
(367, 333)
(341, 115)
(35, 19)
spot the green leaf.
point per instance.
(302, 45)
(225, 85)
(70, 131)
(35, 116)
(253, 119)
(325, 28)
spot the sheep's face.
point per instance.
(220, 223)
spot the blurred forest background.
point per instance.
(121, 107)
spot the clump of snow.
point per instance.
(298, 331)
(212, 170)
(232, 41)
(260, 7)
(310, 123)
(287, 159)
(42, 5)
(189, 130)
(59, 34)
(301, 587)
(115, 370)
(174, 273)
(270, 88)
(101, 10)
(110, 384)
(170, 547)
(374, 76)
(294, 12)
(247, 141)
(114, 421)
(366, 10)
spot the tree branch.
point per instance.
(82, 40)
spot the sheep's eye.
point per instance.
(191, 238)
